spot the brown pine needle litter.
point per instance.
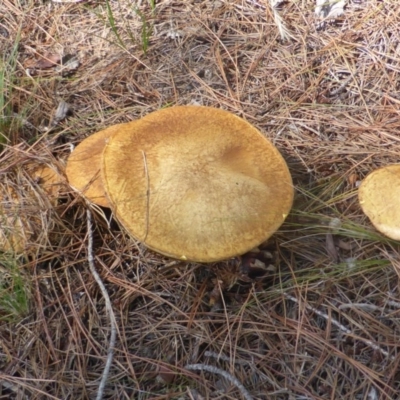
(314, 314)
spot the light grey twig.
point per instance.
(110, 351)
(394, 303)
(226, 375)
(224, 358)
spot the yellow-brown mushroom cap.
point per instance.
(15, 231)
(49, 180)
(21, 211)
(379, 196)
(84, 164)
(196, 183)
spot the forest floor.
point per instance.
(318, 314)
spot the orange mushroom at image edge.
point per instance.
(191, 182)
(379, 197)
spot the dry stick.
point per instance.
(110, 351)
(393, 303)
(226, 375)
(223, 357)
(342, 327)
(251, 364)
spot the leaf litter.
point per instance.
(322, 323)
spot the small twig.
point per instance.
(362, 306)
(223, 357)
(251, 364)
(110, 351)
(347, 331)
(341, 87)
(394, 303)
(226, 375)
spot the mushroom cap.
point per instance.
(379, 196)
(15, 231)
(49, 180)
(21, 219)
(196, 183)
(84, 164)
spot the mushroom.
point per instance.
(15, 231)
(49, 180)
(379, 197)
(196, 183)
(84, 163)
(21, 219)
